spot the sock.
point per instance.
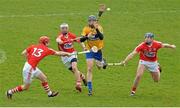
(133, 89)
(78, 83)
(82, 76)
(15, 90)
(46, 88)
(89, 84)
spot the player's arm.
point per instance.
(99, 34)
(59, 41)
(166, 45)
(61, 53)
(24, 53)
(84, 36)
(57, 53)
(129, 57)
(83, 46)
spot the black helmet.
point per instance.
(150, 35)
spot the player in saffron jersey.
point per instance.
(65, 42)
(34, 54)
(148, 59)
(92, 35)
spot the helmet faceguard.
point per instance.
(64, 28)
(91, 20)
(149, 38)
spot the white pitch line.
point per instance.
(72, 14)
(43, 15)
(150, 12)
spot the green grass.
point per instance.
(124, 27)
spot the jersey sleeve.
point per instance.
(73, 36)
(100, 29)
(84, 33)
(139, 48)
(51, 51)
(159, 45)
(28, 49)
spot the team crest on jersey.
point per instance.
(68, 45)
(149, 54)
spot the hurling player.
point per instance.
(65, 42)
(34, 54)
(92, 35)
(148, 59)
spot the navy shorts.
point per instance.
(93, 55)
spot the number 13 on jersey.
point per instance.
(37, 52)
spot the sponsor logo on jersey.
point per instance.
(68, 45)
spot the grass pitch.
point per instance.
(23, 21)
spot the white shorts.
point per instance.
(29, 73)
(67, 60)
(151, 66)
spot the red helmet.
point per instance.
(44, 40)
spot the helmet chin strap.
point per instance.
(64, 33)
(148, 43)
(91, 25)
(45, 43)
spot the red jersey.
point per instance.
(149, 53)
(67, 45)
(35, 53)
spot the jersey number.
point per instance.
(37, 52)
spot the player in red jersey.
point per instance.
(65, 42)
(148, 59)
(34, 54)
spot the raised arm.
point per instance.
(99, 31)
(166, 45)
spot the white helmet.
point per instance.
(64, 25)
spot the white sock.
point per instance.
(50, 92)
(9, 91)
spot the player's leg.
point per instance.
(27, 77)
(74, 69)
(90, 63)
(68, 63)
(100, 62)
(140, 71)
(82, 76)
(154, 69)
(77, 75)
(17, 89)
(155, 76)
(42, 77)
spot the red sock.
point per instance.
(46, 86)
(78, 83)
(16, 89)
(133, 88)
